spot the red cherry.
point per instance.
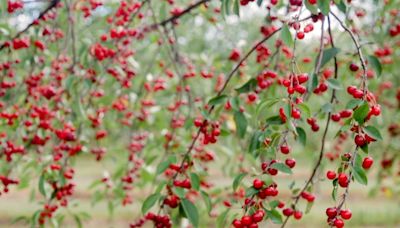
(351, 89)
(258, 184)
(346, 113)
(285, 149)
(331, 175)
(335, 117)
(290, 162)
(345, 214)
(360, 140)
(258, 216)
(300, 35)
(343, 180)
(331, 212)
(297, 215)
(353, 67)
(338, 223)
(367, 162)
(312, 2)
(302, 78)
(288, 212)
(237, 223)
(247, 220)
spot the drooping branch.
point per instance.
(359, 53)
(52, 5)
(175, 17)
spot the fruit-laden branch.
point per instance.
(52, 5)
(229, 77)
(323, 140)
(175, 17)
(359, 52)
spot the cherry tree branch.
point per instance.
(359, 52)
(52, 5)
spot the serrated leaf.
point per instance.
(361, 112)
(249, 86)
(281, 167)
(235, 103)
(275, 216)
(304, 109)
(353, 103)
(373, 132)
(237, 180)
(334, 84)
(274, 120)
(359, 175)
(195, 181)
(312, 8)
(255, 141)
(302, 135)
(190, 211)
(327, 55)
(341, 5)
(149, 202)
(324, 6)
(207, 201)
(375, 64)
(236, 8)
(41, 186)
(286, 36)
(251, 192)
(218, 100)
(241, 123)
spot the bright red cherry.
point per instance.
(345, 214)
(343, 180)
(237, 223)
(285, 149)
(353, 67)
(335, 117)
(297, 215)
(331, 175)
(290, 162)
(247, 220)
(288, 212)
(258, 184)
(360, 140)
(338, 223)
(367, 162)
(331, 212)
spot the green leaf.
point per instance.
(235, 103)
(313, 83)
(255, 141)
(373, 132)
(312, 8)
(274, 120)
(237, 180)
(249, 86)
(341, 5)
(353, 103)
(251, 191)
(41, 186)
(334, 84)
(375, 64)
(327, 55)
(222, 218)
(259, 2)
(302, 135)
(266, 104)
(241, 123)
(281, 167)
(165, 164)
(304, 109)
(274, 215)
(361, 112)
(236, 8)
(359, 175)
(149, 202)
(191, 212)
(207, 201)
(324, 6)
(286, 36)
(195, 181)
(218, 100)
(274, 203)
(308, 207)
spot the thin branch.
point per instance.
(52, 5)
(175, 17)
(359, 52)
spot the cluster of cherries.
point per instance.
(333, 216)
(210, 130)
(7, 181)
(249, 221)
(13, 5)
(47, 212)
